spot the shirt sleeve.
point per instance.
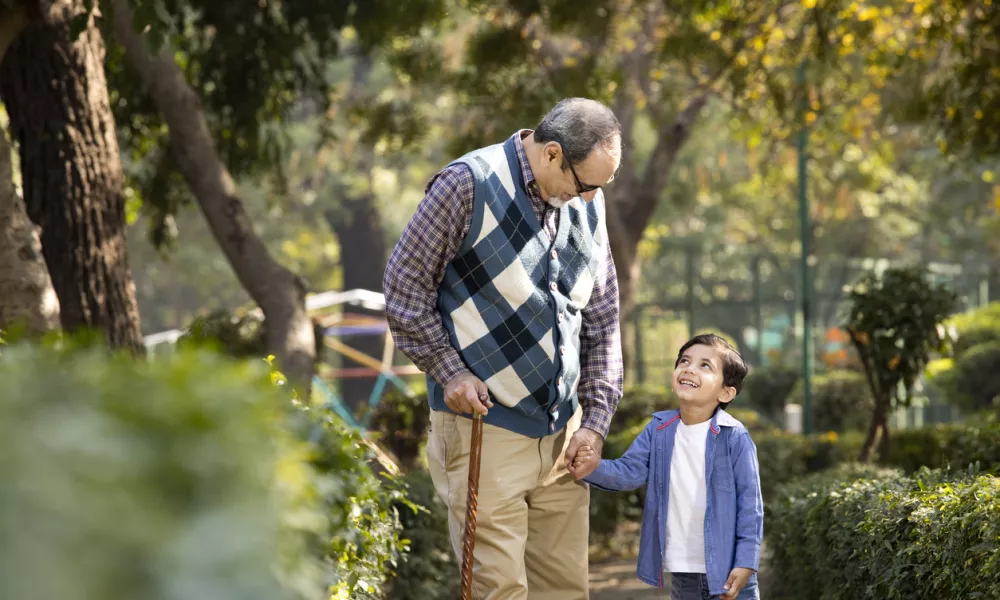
(749, 503)
(602, 370)
(416, 268)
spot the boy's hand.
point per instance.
(585, 462)
(738, 579)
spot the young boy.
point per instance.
(703, 521)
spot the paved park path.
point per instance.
(616, 580)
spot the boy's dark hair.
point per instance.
(734, 368)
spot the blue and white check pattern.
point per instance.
(512, 294)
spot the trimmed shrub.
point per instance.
(188, 476)
(785, 457)
(856, 532)
(842, 401)
(947, 446)
(971, 380)
(767, 389)
(402, 422)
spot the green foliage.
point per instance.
(842, 401)
(785, 457)
(970, 378)
(186, 475)
(240, 334)
(430, 569)
(638, 404)
(402, 421)
(948, 446)
(895, 324)
(767, 389)
(862, 533)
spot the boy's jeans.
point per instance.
(694, 586)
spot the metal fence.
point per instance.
(763, 318)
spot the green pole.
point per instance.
(689, 277)
(807, 350)
(758, 318)
(640, 360)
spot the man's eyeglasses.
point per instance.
(582, 188)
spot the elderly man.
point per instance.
(502, 289)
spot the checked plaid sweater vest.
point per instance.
(511, 300)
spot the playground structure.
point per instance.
(328, 310)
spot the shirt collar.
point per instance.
(522, 157)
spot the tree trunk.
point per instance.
(57, 97)
(632, 203)
(877, 426)
(363, 250)
(279, 292)
(26, 295)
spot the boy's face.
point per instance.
(698, 379)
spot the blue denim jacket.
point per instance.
(734, 509)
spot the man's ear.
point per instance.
(552, 152)
(727, 395)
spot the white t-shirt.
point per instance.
(686, 506)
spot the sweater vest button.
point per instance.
(553, 286)
(560, 317)
(555, 409)
(554, 254)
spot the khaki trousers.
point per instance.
(532, 531)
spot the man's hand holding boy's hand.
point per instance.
(738, 579)
(585, 462)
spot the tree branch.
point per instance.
(671, 138)
(279, 292)
(12, 23)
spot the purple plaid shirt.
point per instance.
(416, 268)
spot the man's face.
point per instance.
(561, 185)
(698, 379)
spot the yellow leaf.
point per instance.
(809, 3)
(988, 176)
(758, 43)
(569, 61)
(996, 197)
(810, 117)
(979, 115)
(716, 36)
(868, 14)
(950, 112)
(942, 146)
(848, 40)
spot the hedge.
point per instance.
(841, 399)
(860, 532)
(969, 378)
(190, 476)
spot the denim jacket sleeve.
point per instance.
(628, 472)
(749, 502)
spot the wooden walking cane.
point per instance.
(472, 506)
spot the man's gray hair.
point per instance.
(580, 125)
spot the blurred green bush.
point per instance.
(768, 388)
(189, 476)
(970, 379)
(842, 401)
